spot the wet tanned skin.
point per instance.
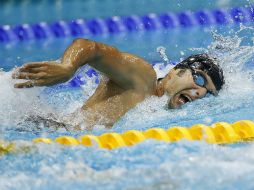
(130, 80)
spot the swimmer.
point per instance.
(128, 80)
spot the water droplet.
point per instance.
(162, 51)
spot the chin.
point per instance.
(173, 102)
(174, 106)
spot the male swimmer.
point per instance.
(129, 80)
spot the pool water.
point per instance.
(87, 9)
(150, 164)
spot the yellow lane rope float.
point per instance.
(218, 133)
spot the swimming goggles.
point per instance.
(200, 80)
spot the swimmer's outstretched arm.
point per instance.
(125, 69)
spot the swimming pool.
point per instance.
(150, 164)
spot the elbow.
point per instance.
(80, 41)
(88, 47)
(84, 43)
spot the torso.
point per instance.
(110, 102)
(106, 89)
(128, 83)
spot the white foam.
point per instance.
(17, 103)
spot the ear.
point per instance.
(160, 88)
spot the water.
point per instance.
(148, 165)
(87, 9)
(151, 164)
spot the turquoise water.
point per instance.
(50, 11)
(148, 165)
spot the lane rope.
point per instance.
(132, 23)
(218, 133)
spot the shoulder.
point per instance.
(138, 63)
(144, 72)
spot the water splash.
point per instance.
(15, 103)
(230, 53)
(237, 93)
(162, 52)
(163, 68)
(232, 57)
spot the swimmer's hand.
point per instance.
(42, 74)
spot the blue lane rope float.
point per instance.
(97, 26)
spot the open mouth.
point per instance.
(183, 99)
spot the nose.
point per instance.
(198, 93)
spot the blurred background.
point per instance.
(60, 17)
(31, 11)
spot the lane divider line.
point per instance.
(131, 23)
(218, 133)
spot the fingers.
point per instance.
(35, 72)
(34, 65)
(29, 70)
(24, 75)
(29, 84)
(32, 70)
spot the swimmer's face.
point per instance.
(182, 87)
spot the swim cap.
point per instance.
(207, 64)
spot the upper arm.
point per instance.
(126, 70)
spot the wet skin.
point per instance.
(128, 80)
